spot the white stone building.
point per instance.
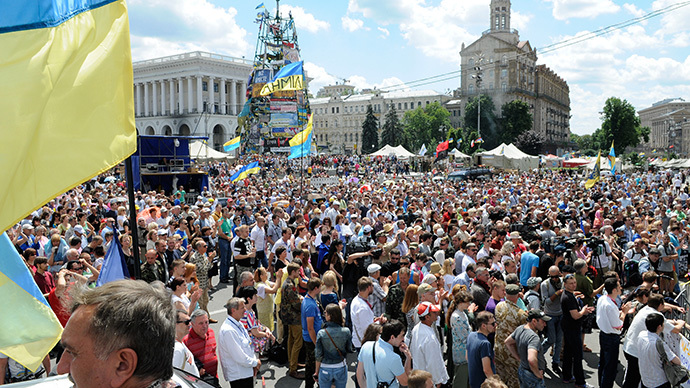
(338, 119)
(669, 122)
(196, 93)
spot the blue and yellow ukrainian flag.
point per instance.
(30, 328)
(595, 176)
(251, 168)
(290, 77)
(232, 144)
(67, 98)
(612, 159)
(300, 144)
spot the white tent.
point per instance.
(400, 152)
(509, 157)
(459, 155)
(199, 150)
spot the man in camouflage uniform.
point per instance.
(508, 317)
(395, 297)
(291, 314)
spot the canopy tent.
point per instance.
(199, 150)
(400, 152)
(509, 157)
(551, 161)
(459, 155)
(575, 162)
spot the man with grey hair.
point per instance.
(102, 346)
(201, 341)
(237, 357)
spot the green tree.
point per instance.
(620, 122)
(516, 120)
(392, 129)
(489, 130)
(370, 132)
(584, 142)
(464, 140)
(428, 125)
(530, 143)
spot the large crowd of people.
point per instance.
(485, 283)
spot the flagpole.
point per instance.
(132, 217)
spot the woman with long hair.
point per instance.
(410, 301)
(333, 343)
(460, 328)
(181, 298)
(266, 290)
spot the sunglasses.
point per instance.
(569, 276)
(187, 322)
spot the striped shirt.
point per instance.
(203, 349)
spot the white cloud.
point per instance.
(519, 21)
(567, 9)
(361, 82)
(351, 24)
(675, 21)
(166, 27)
(319, 75)
(632, 8)
(384, 32)
(305, 20)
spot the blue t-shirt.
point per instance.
(528, 260)
(310, 309)
(388, 363)
(478, 347)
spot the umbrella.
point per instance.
(109, 179)
(353, 179)
(365, 188)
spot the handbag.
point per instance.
(676, 374)
(336, 346)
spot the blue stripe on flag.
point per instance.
(22, 15)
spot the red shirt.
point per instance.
(57, 305)
(203, 349)
(45, 282)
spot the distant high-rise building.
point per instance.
(509, 72)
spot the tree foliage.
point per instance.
(619, 123)
(530, 143)
(516, 119)
(425, 125)
(370, 132)
(490, 131)
(584, 142)
(392, 129)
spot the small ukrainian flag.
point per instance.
(232, 144)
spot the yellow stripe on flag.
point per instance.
(66, 105)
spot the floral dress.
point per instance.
(249, 321)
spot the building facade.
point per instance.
(338, 119)
(669, 122)
(196, 93)
(508, 71)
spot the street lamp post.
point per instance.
(478, 80)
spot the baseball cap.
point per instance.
(424, 308)
(424, 288)
(533, 281)
(512, 289)
(373, 268)
(537, 314)
(366, 229)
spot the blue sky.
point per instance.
(390, 42)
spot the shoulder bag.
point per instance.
(676, 374)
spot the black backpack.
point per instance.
(632, 273)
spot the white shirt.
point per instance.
(630, 345)
(235, 351)
(427, 354)
(362, 317)
(258, 237)
(651, 370)
(184, 359)
(467, 260)
(608, 316)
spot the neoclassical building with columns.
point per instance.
(196, 93)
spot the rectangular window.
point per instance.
(215, 87)
(399, 106)
(337, 109)
(504, 73)
(204, 86)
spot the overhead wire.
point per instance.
(546, 49)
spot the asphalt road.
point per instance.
(276, 375)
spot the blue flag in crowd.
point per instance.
(114, 265)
